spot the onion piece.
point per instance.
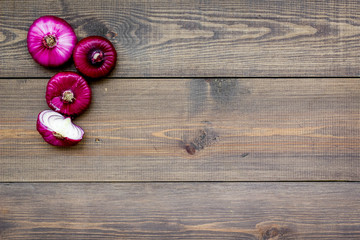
(68, 93)
(94, 56)
(50, 41)
(58, 130)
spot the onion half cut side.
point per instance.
(58, 130)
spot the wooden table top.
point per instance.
(267, 92)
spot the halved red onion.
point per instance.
(68, 93)
(94, 56)
(58, 130)
(50, 41)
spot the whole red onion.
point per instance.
(94, 56)
(50, 41)
(58, 130)
(68, 93)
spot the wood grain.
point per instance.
(250, 38)
(240, 129)
(180, 211)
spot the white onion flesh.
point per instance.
(61, 125)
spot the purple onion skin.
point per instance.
(49, 137)
(58, 49)
(68, 93)
(84, 53)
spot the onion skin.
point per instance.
(68, 93)
(50, 41)
(85, 53)
(50, 136)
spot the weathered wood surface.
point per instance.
(169, 112)
(180, 211)
(249, 38)
(137, 130)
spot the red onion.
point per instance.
(51, 41)
(58, 130)
(94, 56)
(68, 93)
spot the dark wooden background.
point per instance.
(267, 91)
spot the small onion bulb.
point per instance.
(50, 41)
(94, 56)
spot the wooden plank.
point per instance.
(250, 38)
(138, 129)
(180, 211)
